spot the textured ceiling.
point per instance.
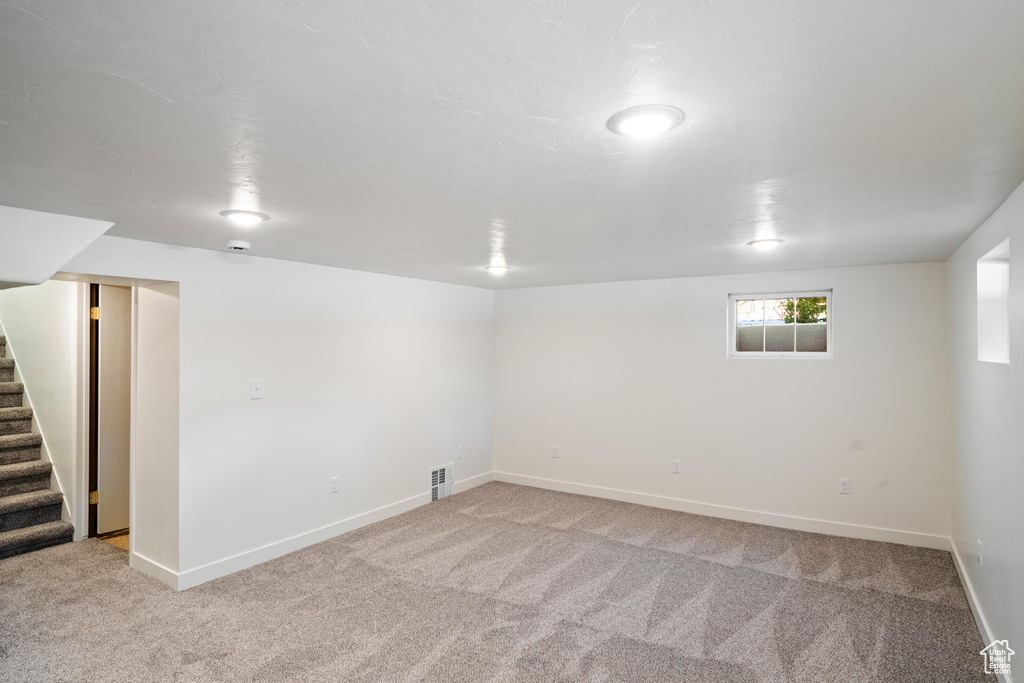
(415, 138)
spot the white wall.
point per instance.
(368, 377)
(37, 244)
(625, 377)
(41, 324)
(988, 457)
(155, 536)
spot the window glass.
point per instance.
(750, 325)
(778, 333)
(811, 328)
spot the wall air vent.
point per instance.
(441, 482)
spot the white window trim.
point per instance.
(730, 334)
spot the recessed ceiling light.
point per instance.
(246, 219)
(765, 245)
(497, 269)
(645, 121)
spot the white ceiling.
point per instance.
(412, 137)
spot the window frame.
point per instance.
(730, 334)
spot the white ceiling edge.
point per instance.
(35, 245)
(499, 284)
(116, 281)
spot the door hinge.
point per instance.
(94, 498)
(94, 313)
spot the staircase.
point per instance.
(29, 510)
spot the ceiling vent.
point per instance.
(238, 245)
(441, 482)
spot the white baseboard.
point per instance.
(154, 569)
(819, 526)
(972, 600)
(229, 565)
(472, 482)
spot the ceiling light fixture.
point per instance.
(765, 245)
(246, 219)
(497, 269)
(645, 121)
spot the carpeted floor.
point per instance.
(505, 583)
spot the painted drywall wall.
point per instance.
(626, 377)
(987, 463)
(37, 244)
(155, 523)
(42, 335)
(370, 378)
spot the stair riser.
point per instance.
(8, 427)
(10, 400)
(20, 550)
(19, 455)
(30, 517)
(6, 374)
(36, 482)
(3, 350)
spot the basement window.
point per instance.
(781, 325)
(994, 305)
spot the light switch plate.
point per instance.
(255, 389)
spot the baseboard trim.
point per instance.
(155, 569)
(972, 599)
(229, 565)
(819, 526)
(472, 482)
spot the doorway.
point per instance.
(110, 401)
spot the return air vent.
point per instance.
(441, 482)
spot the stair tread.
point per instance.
(12, 388)
(32, 499)
(15, 414)
(24, 469)
(35, 534)
(20, 440)
(6, 362)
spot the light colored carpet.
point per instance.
(505, 583)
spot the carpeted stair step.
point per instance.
(15, 420)
(3, 347)
(19, 448)
(30, 509)
(6, 369)
(34, 538)
(22, 477)
(10, 394)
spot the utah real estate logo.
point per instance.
(997, 657)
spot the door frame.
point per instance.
(93, 471)
(93, 408)
(88, 407)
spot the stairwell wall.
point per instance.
(42, 334)
(370, 378)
